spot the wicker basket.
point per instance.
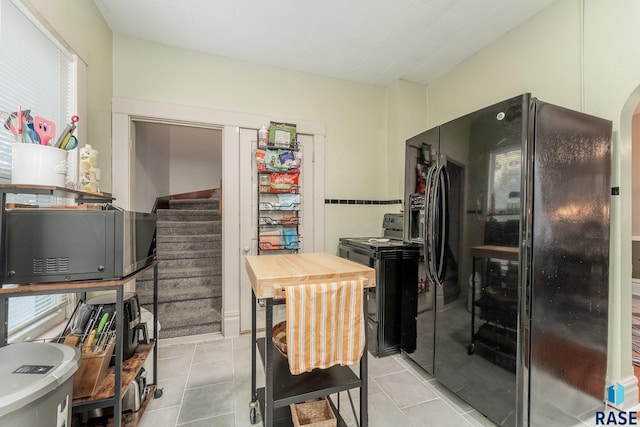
(316, 413)
(279, 337)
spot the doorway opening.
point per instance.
(181, 165)
(173, 159)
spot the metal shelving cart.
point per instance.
(269, 274)
(497, 334)
(123, 372)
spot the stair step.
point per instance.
(187, 224)
(194, 204)
(214, 243)
(172, 228)
(186, 215)
(190, 254)
(180, 272)
(180, 289)
(184, 283)
(209, 328)
(191, 263)
(189, 251)
(169, 238)
(188, 313)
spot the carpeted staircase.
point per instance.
(189, 251)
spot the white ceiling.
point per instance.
(368, 41)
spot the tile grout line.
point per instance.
(404, 365)
(186, 382)
(233, 362)
(391, 399)
(436, 392)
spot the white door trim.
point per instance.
(124, 110)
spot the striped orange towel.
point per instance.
(325, 325)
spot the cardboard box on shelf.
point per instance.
(282, 134)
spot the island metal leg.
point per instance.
(4, 318)
(253, 405)
(268, 364)
(364, 382)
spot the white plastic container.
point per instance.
(37, 383)
(263, 135)
(37, 164)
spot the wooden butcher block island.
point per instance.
(269, 275)
(276, 271)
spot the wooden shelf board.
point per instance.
(72, 286)
(499, 252)
(129, 419)
(309, 385)
(282, 415)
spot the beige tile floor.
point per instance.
(207, 383)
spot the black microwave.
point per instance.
(51, 245)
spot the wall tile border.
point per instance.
(361, 202)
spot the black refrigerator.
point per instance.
(510, 205)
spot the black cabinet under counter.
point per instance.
(392, 304)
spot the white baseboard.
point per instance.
(231, 324)
(630, 402)
(190, 339)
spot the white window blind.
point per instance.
(36, 73)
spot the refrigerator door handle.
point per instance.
(436, 222)
(430, 188)
(442, 183)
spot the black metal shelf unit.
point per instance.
(278, 200)
(496, 306)
(282, 388)
(116, 286)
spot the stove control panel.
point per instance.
(393, 225)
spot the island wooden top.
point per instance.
(271, 272)
(509, 253)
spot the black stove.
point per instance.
(391, 305)
(375, 243)
(391, 239)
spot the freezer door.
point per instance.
(569, 254)
(476, 333)
(420, 151)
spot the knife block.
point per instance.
(92, 371)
